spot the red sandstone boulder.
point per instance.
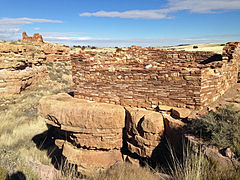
(144, 130)
(94, 125)
(90, 159)
(181, 112)
(174, 129)
(93, 130)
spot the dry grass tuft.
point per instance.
(125, 171)
(20, 122)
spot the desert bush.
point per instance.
(195, 47)
(53, 76)
(118, 49)
(58, 70)
(49, 64)
(66, 71)
(220, 128)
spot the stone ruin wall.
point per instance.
(221, 76)
(53, 52)
(147, 77)
(37, 38)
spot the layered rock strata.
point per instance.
(21, 64)
(56, 52)
(94, 129)
(20, 67)
(92, 134)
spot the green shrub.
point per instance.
(54, 76)
(49, 64)
(220, 128)
(58, 70)
(118, 49)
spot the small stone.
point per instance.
(181, 112)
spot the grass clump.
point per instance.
(3, 172)
(220, 128)
(195, 165)
(20, 122)
(124, 171)
(191, 165)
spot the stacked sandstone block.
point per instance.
(92, 135)
(147, 77)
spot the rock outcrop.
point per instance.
(144, 131)
(94, 130)
(20, 67)
(21, 64)
(91, 134)
(56, 52)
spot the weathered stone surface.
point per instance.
(144, 130)
(89, 159)
(94, 125)
(174, 130)
(89, 133)
(164, 108)
(20, 67)
(181, 112)
(56, 52)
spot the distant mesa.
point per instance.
(37, 38)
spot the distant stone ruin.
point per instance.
(148, 77)
(37, 38)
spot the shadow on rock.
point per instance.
(16, 176)
(46, 142)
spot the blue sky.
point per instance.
(109, 23)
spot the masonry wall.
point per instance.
(219, 76)
(146, 77)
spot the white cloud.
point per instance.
(36, 29)
(193, 6)
(22, 21)
(10, 28)
(146, 14)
